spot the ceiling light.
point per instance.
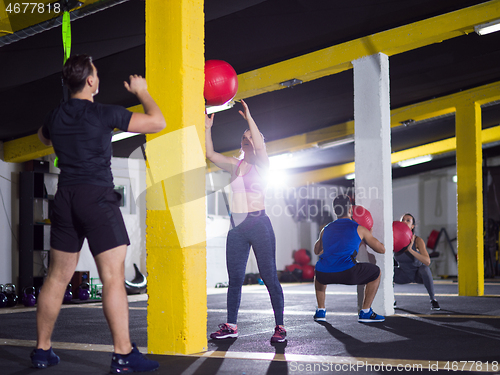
(218, 108)
(122, 135)
(408, 122)
(336, 142)
(277, 179)
(291, 82)
(415, 161)
(487, 28)
(350, 176)
(281, 161)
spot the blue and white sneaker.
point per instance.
(370, 317)
(44, 358)
(320, 315)
(135, 361)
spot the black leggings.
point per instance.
(419, 275)
(252, 229)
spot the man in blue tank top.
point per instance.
(337, 246)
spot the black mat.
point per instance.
(466, 329)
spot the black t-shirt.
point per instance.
(81, 132)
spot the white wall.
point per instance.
(432, 199)
(9, 221)
(286, 230)
(217, 228)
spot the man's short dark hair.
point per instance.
(75, 72)
(341, 205)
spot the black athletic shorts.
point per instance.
(87, 211)
(360, 274)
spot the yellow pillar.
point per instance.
(469, 199)
(175, 197)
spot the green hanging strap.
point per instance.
(66, 35)
(66, 39)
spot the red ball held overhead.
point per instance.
(362, 216)
(402, 235)
(221, 82)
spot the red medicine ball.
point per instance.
(221, 82)
(293, 267)
(402, 235)
(362, 216)
(307, 272)
(302, 257)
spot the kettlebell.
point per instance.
(84, 291)
(10, 292)
(68, 294)
(29, 298)
(3, 297)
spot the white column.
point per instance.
(372, 155)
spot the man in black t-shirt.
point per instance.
(86, 206)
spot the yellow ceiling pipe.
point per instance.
(435, 148)
(330, 61)
(416, 112)
(28, 148)
(18, 15)
(338, 58)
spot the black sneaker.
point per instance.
(43, 358)
(435, 305)
(132, 362)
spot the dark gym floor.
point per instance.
(464, 336)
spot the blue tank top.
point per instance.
(340, 246)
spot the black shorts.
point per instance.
(360, 274)
(87, 211)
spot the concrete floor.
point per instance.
(416, 338)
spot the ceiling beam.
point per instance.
(330, 61)
(319, 175)
(5, 24)
(447, 145)
(23, 15)
(416, 112)
(445, 105)
(28, 148)
(338, 58)
(24, 149)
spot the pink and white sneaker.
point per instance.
(279, 335)
(224, 332)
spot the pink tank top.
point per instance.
(252, 181)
